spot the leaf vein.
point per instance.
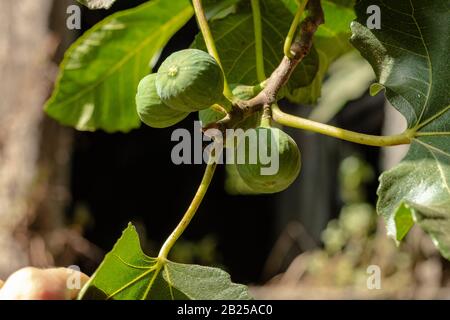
(430, 67)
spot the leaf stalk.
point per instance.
(256, 9)
(292, 30)
(190, 212)
(360, 138)
(209, 41)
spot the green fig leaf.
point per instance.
(410, 57)
(127, 273)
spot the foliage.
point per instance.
(331, 42)
(96, 90)
(409, 55)
(100, 72)
(353, 242)
(127, 273)
(235, 40)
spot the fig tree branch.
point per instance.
(260, 72)
(268, 96)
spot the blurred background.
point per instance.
(66, 196)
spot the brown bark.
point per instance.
(33, 150)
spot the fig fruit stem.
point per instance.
(360, 138)
(294, 26)
(266, 117)
(190, 212)
(209, 41)
(260, 72)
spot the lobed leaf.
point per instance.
(410, 57)
(127, 273)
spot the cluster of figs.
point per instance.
(191, 80)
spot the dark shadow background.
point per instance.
(130, 177)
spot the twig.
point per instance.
(268, 96)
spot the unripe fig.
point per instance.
(151, 110)
(190, 80)
(280, 148)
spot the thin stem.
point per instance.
(291, 34)
(209, 41)
(190, 212)
(266, 117)
(260, 72)
(301, 46)
(219, 108)
(371, 140)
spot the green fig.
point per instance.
(151, 110)
(280, 148)
(190, 80)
